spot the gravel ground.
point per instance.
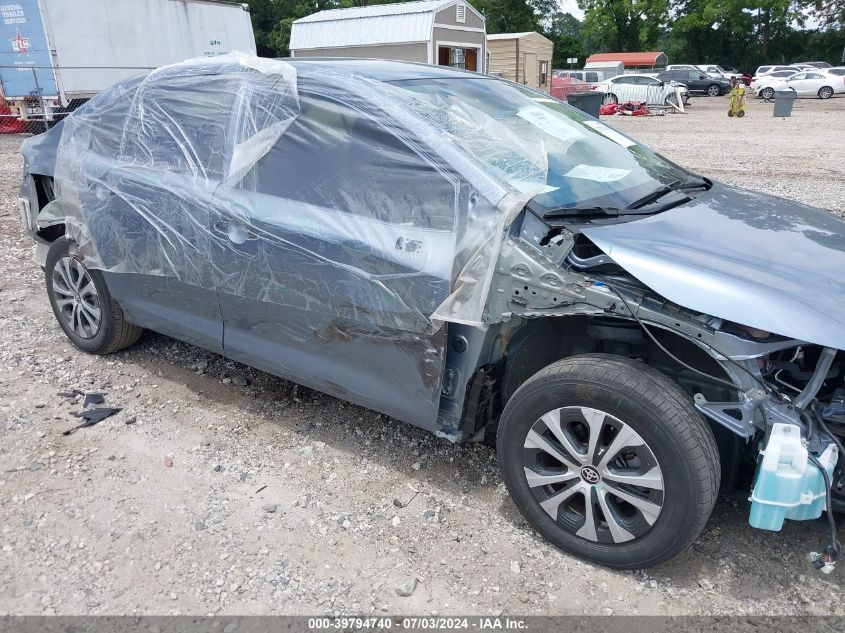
(222, 490)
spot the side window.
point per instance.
(334, 156)
(591, 77)
(693, 75)
(180, 124)
(799, 76)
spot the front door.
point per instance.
(336, 246)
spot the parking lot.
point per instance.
(219, 489)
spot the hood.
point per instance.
(746, 257)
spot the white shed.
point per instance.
(443, 32)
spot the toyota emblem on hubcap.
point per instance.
(590, 475)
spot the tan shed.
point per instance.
(522, 57)
(444, 32)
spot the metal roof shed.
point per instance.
(645, 59)
(444, 32)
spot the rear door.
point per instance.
(151, 182)
(338, 245)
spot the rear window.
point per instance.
(183, 135)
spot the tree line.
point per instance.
(739, 33)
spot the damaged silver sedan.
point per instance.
(472, 257)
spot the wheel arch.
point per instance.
(529, 349)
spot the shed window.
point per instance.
(544, 73)
(461, 13)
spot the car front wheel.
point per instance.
(767, 93)
(825, 92)
(608, 459)
(91, 319)
(713, 90)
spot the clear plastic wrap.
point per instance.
(316, 189)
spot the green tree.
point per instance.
(515, 16)
(564, 30)
(624, 25)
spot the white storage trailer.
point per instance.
(53, 52)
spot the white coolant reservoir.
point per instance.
(787, 484)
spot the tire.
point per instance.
(82, 304)
(730, 113)
(713, 90)
(741, 113)
(609, 99)
(767, 93)
(825, 92)
(660, 435)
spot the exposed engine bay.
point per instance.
(781, 400)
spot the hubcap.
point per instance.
(593, 474)
(76, 297)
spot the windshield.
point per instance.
(540, 145)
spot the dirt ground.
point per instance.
(222, 490)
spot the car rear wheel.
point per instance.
(713, 90)
(609, 460)
(767, 93)
(91, 319)
(825, 92)
(610, 99)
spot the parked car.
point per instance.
(714, 70)
(776, 75)
(814, 64)
(817, 83)
(766, 70)
(645, 88)
(469, 256)
(585, 76)
(697, 81)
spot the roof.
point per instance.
(648, 58)
(509, 36)
(369, 25)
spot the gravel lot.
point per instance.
(222, 490)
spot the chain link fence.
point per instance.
(34, 99)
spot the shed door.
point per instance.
(530, 69)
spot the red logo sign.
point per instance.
(20, 44)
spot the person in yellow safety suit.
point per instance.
(738, 105)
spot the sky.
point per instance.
(571, 6)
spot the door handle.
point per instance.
(236, 233)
